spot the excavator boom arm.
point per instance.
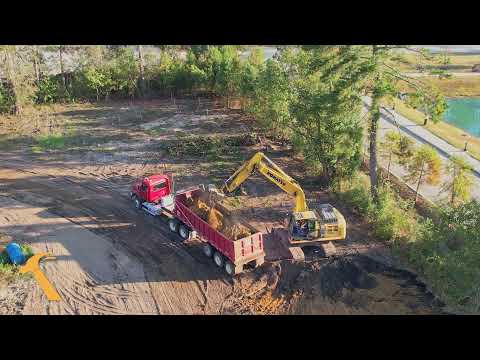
(273, 173)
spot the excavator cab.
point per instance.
(304, 225)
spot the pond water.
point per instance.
(464, 113)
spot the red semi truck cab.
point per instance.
(152, 188)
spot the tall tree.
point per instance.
(62, 51)
(19, 75)
(389, 146)
(396, 146)
(460, 183)
(36, 62)
(325, 112)
(141, 69)
(424, 167)
(272, 98)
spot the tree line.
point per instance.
(311, 96)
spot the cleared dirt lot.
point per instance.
(112, 259)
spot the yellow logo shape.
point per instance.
(32, 265)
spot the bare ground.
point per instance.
(113, 260)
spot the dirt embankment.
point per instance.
(340, 286)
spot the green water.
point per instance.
(464, 113)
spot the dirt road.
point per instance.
(170, 274)
(112, 259)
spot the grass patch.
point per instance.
(9, 271)
(449, 133)
(51, 142)
(457, 62)
(455, 86)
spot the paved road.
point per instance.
(454, 74)
(391, 120)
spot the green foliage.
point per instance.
(312, 99)
(460, 183)
(356, 195)
(51, 142)
(396, 147)
(447, 254)
(162, 74)
(97, 79)
(47, 91)
(424, 166)
(123, 73)
(404, 150)
(7, 99)
(4, 259)
(272, 98)
(429, 102)
(392, 218)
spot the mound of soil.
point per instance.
(348, 285)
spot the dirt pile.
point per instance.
(348, 285)
(209, 210)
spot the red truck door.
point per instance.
(143, 190)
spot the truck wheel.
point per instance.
(218, 259)
(208, 250)
(184, 232)
(229, 268)
(137, 202)
(173, 225)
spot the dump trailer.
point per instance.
(154, 195)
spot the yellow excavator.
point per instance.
(304, 226)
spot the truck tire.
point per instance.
(218, 259)
(229, 268)
(184, 232)
(208, 250)
(137, 202)
(173, 225)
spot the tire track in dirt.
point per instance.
(182, 281)
(173, 280)
(85, 285)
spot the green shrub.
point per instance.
(448, 254)
(4, 259)
(51, 142)
(7, 100)
(392, 219)
(357, 195)
(48, 90)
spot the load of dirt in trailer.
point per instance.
(218, 216)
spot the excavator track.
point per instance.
(328, 249)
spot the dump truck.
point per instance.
(155, 195)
